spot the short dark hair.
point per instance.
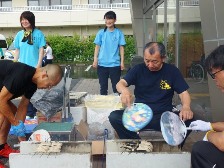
(48, 43)
(30, 17)
(110, 15)
(215, 59)
(152, 47)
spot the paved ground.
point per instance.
(198, 92)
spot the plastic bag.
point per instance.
(97, 131)
(48, 102)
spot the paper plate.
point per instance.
(40, 136)
(137, 117)
(173, 128)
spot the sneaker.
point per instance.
(28, 117)
(7, 150)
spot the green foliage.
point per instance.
(160, 38)
(171, 49)
(81, 50)
(9, 40)
(129, 49)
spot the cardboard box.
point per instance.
(42, 118)
(82, 128)
(97, 146)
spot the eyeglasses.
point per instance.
(213, 74)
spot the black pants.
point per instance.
(48, 61)
(205, 155)
(31, 110)
(104, 73)
(115, 119)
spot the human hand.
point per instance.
(19, 130)
(95, 63)
(126, 97)
(122, 66)
(185, 114)
(200, 125)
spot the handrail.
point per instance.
(190, 3)
(66, 7)
(90, 6)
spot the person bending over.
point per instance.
(18, 79)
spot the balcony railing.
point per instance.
(190, 3)
(66, 7)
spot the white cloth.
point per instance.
(200, 125)
(49, 52)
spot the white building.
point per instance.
(65, 17)
(85, 17)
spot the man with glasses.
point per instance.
(210, 152)
(155, 83)
(18, 79)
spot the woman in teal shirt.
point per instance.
(109, 53)
(29, 44)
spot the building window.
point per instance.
(116, 1)
(33, 3)
(43, 3)
(5, 3)
(49, 2)
(107, 1)
(93, 1)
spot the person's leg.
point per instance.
(115, 119)
(154, 123)
(4, 129)
(115, 74)
(48, 61)
(103, 75)
(205, 155)
(5, 125)
(187, 123)
(31, 110)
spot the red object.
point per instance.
(7, 150)
(2, 165)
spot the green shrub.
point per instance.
(81, 50)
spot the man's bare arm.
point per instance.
(126, 95)
(22, 109)
(185, 113)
